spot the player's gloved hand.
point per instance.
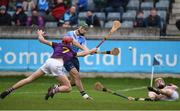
(153, 89)
(131, 98)
(94, 50)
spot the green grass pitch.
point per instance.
(31, 96)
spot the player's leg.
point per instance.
(76, 79)
(72, 81)
(72, 67)
(152, 95)
(57, 70)
(74, 74)
(63, 87)
(22, 82)
(155, 97)
(75, 63)
(29, 79)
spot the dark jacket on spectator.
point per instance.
(153, 21)
(5, 19)
(178, 24)
(93, 20)
(4, 2)
(82, 5)
(117, 3)
(99, 5)
(20, 19)
(139, 22)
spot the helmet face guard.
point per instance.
(82, 26)
(81, 32)
(159, 83)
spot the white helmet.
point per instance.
(159, 83)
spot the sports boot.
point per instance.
(51, 92)
(4, 94)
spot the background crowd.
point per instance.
(96, 13)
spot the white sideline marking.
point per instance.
(132, 89)
(29, 92)
(122, 90)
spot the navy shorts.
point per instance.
(73, 63)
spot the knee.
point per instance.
(69, 89)
(77, 77)
(152, 95)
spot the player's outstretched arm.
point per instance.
(175, 87)
(84, 53)
(42, 39)
(82, 47)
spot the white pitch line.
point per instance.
(132, 89)
(30, 92)
(122, 90)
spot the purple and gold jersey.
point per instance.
(62, 51)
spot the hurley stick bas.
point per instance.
(114, 51)
(116, 25)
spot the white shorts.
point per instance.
(53, 67)
(174, 96)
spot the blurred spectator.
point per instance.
(43, 7)
(99, 5)
(67, 3)
(70, 18)
(153, 20)
(35, 19)
(4, 3)
(139, 22)
(29, 5)
(5, 18)
(82, 5)
(12, 5)
(58, 9)
(116, 6)
(92, 20)
(19, 16)
(178, 24)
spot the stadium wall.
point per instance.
(29, 54)
(14, 32)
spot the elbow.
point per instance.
(40, 40)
